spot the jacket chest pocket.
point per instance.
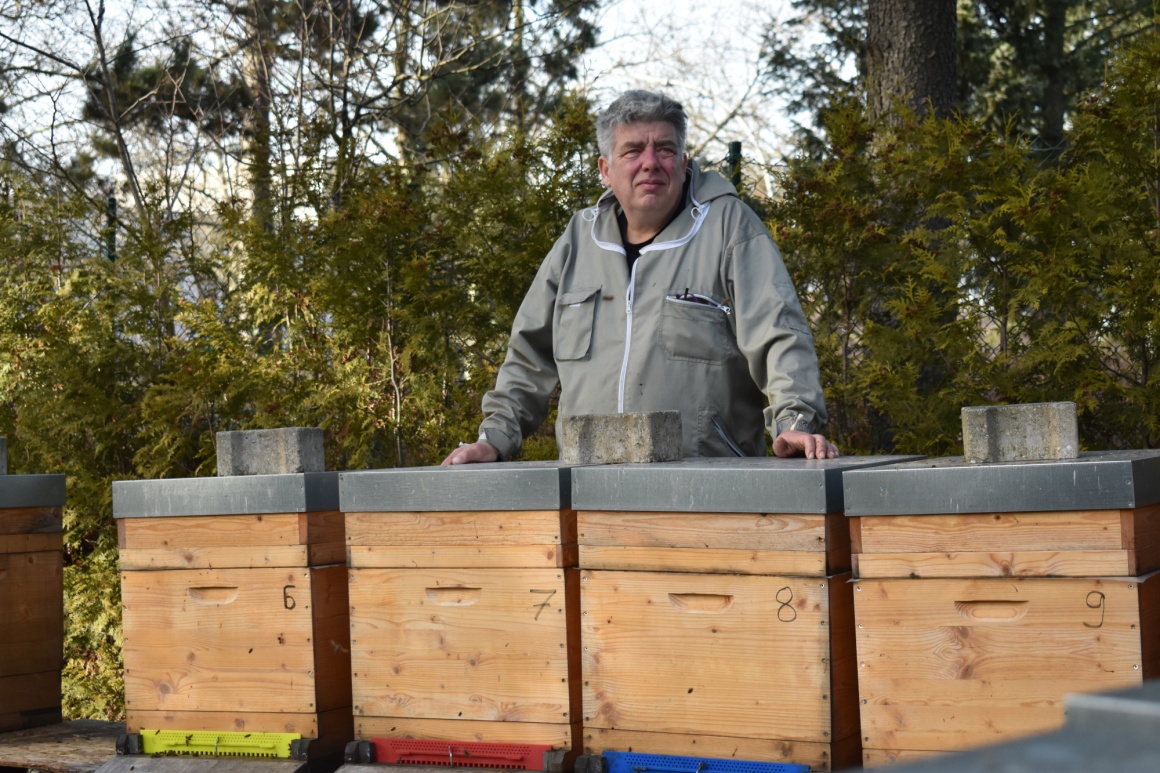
(695, 332)
(572, 327)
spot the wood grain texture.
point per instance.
(734, 531)
(557, 735)
(462, 556)
(224, 639)
(819, 756)
(31, 616)
(30, 520)
(490, 528)
(249, 557)
(877, 758)
(29, 700)
(31, 543)
(1069, 563)
(77, 746)
(723, 655)
(482, 644)
(702, 560)
(993, 532)
(953, 664)
(1141, 528)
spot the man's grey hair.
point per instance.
(638, 106)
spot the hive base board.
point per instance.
(558, 736)
(29, 700)
(332, 729)
(841, 754)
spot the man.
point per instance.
(668, 294)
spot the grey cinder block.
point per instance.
(3, 456)
(1020, 433)
(621, 438)
(270, 451)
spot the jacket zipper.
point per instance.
(628, 298)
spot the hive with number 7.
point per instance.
(463, 601)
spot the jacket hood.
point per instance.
(704, 188)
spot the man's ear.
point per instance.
(602, 165)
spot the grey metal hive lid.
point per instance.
(1096, 480)
(721, 485)
(466, 487)
(303, 492)
(32, 491)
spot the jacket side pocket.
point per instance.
(572, 328)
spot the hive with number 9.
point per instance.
(235, 606)
(985, 594)
(716, 613)
(463, 603)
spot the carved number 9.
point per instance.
(288, 600)
(1095, 600)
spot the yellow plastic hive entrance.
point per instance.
(214, 744)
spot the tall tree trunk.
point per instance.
(257, 152)
(911, 55)
(1054, 27)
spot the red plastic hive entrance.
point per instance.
(512, 756)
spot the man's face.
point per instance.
(647, 174)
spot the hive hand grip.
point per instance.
(454, 597)
(701, 602)
(214, 595)
(999, 611)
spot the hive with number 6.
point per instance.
(716, 612)
(463, 604)
(984, 594)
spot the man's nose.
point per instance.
(648, 157)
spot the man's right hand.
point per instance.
(470, 453)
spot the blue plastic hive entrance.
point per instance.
(633, 762)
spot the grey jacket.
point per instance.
(617, 342)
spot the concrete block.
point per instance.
(1020, 433)
(621, 438)
(3, 456)
(270, 451)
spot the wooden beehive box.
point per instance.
(235, 606)
(717, 617)
(464, 603)
(31, 600)
(987, 593)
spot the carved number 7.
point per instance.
(541, 607)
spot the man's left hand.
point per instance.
(794, 442)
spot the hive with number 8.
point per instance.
(463, 603)
(716, 613)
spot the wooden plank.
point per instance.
(877, 758)
(731, 531)
(219, 640)
(209, 531)
(845, 716)
(492, 528)
(1149, 589)
(249, 557)
(998, 532)
(838, 542)
(950, 664)
(31, 543)
(461, 556)
(29, 694)
(702, 560)
(327, 526)
(461, 644)
(1142, 534)
(739, 655)
(331, 600)
(225, 721)
(1070, 563)
(855, 535)
(30, 520)
(31, 616)
(79, 746)
(819, 756)
(556, 735)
